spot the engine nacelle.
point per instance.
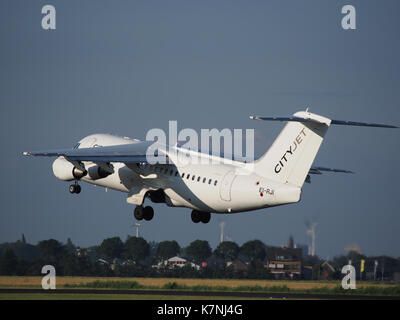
(66, 171)
(96, 172)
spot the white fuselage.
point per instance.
(217, 186)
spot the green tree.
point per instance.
(310, 260)
(227, 250)
(253, 250)
(76, 266)
(317, 271)
(51, 250)
(22, 250)
(69, 246)
(136, 249)
(355, 256)
(256, 270)
(167, 249)
(112, 247)
(199, 250)
(8, 263)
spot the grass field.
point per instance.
(35, 282)
(324, 287)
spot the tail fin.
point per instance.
(290, 157)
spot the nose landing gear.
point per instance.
(75, 188)
(78, 173)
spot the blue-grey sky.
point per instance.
(126, 67)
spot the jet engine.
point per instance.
(66, 171)
(96, 172)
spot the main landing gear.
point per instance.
(198, 216)
(146, 213)
(75, 188)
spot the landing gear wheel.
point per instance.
(196, 218)
(75, 188)
(78, 189)
(148, 213)
(72, 188)
(138, 213)
(205, 217)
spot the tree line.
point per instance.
(135, 257)
(132, 257)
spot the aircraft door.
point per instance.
(226, 184)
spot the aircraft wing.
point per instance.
(126, 153)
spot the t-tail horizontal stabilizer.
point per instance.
(319, 170)
(332, 121)
(290, 157)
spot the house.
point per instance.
(284, 262)
(128, 262)
(103, 262)
(327, 271)
(80, 252)
(237, 265)
(176, 262)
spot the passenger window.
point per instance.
(215, 182)
(204, 180)
(193, 177)
(209, 181)
(188, 176)
(198, 179)
(183, 175)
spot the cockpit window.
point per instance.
(77, 146)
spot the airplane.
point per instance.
(212, 186)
